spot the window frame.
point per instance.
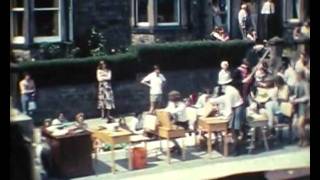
(140, 24)
(65, 23)
(177, 23)
(287, 17)
(58, 38)
(13, 10)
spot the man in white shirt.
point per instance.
(155, 81)
(243, 20)
(177, 110)
(267, 12)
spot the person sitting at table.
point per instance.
(79, 121)
(177, 109)
(198, 109)
(281, 95)
(203, 98)
(60, 120)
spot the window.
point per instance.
(150, 13)
(142, 12)
(293, 10)
(168, 12)
(17, 26)
(41, 21)
(47, 20)
(220, 13)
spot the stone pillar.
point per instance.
(208, 20)
(152, 12)
(184, 16)
(234, 25)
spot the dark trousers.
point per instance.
(267, 26)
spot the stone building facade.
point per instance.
(126, 22)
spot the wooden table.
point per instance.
(214, 124)
(71, 154)
(113, 138)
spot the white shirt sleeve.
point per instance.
(147, 78)
(241, 17)
(170, 107)
(218, 100)
(163, 78)
(272, 8)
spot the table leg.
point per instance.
(209, 143)
(130, 157)
(168, 151)
(265, 141)
(225, 145)
(113, 168)
(183, 150)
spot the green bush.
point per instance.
(197, 54)
(170, 56)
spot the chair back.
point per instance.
(287, 109)
(164, 119)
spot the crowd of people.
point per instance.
(281, 95)
(247, 23)
(240, 92)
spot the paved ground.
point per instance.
(198, 165)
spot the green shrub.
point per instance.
(170, 56)
(197, 54)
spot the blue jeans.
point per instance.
(25, 99)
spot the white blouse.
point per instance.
(103, 75)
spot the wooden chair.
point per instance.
(167, 130)
(258, 121)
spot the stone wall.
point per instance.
(130, 95)
(109, 16)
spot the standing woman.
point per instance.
(27, 92)
(105, 93)
(267, 12)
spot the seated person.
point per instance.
(252, 35)
(60, 120)
(281, 95)
(297, 32)
(262, 75)
(219, 34)
(305, 29)
(176, 107)
(79, 121)
(192, 112)
(215, 33)
(203, 98)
